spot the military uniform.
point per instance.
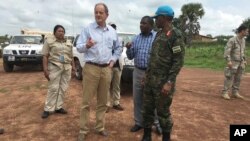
(166, 60)
(59, 67)
(234, 52)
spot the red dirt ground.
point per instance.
(198, 111)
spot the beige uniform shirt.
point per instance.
(235, 51)
(60, 53)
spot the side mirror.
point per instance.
(6, 43)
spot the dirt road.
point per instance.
(198, 111)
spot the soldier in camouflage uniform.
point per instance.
(166, 61)
(236, 62)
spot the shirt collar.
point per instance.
(97, 26)
(64, 40)
(151, 33)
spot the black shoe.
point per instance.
(107, 110)
(118, 107)
(1, 130)
(166, 136)
(135, 128)
(147, 135)
(45, 114)
(61, 111)
(103, 133)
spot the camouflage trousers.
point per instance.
(232, 79)
(153, 99)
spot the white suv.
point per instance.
(23, 49)
(128, 65)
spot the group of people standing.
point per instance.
(158, 58)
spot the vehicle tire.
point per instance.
(8, 67)
(78, 69)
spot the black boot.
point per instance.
(166, 136)
(45, 114)
(147, 134)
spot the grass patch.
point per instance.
(209, 55)
(38, 85)
(4, 90)
(26, 88)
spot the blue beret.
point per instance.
(165, 11)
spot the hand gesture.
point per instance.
(111, 64)
(90, 43)
(128, 45)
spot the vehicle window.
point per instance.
(26, 40)
(71, 38)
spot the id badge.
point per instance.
(61, 58)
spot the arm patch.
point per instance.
(176, 49)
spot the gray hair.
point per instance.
(105, 7)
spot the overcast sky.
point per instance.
(221, 16)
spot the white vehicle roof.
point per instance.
(128, 33)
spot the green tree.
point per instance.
(189, 20)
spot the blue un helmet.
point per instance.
(165, 11)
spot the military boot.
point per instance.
(237, 95)
(147, 134)
(225, 96)
(166, 136)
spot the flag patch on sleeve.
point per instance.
(176, 49)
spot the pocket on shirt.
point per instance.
(110, 43)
